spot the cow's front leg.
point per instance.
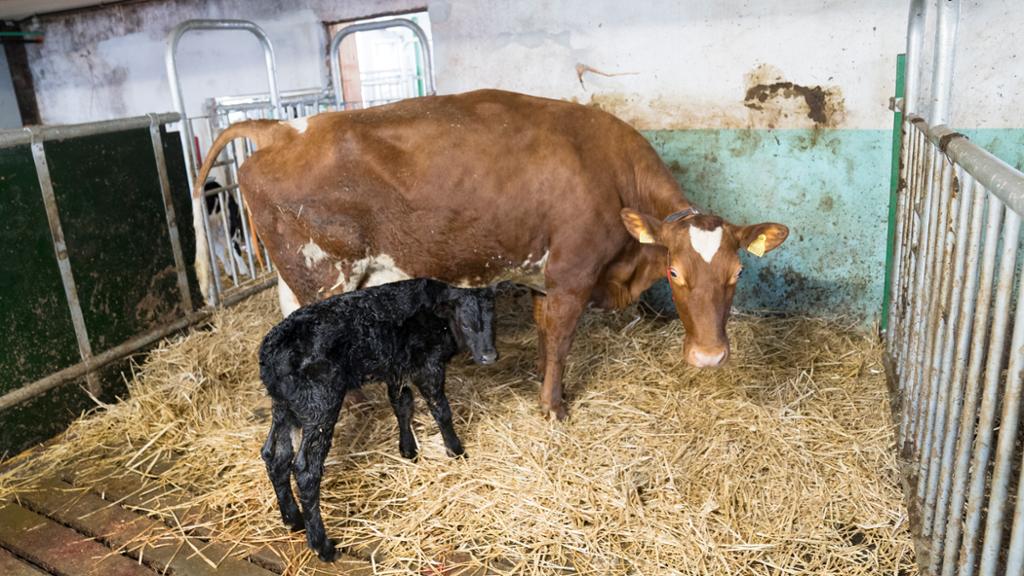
(562, 310)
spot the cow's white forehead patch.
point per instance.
(300, 124)
(706, 242)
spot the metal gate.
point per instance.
(239, 271)
(955, 343)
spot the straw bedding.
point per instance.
(781, 463)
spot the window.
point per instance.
(381, 66)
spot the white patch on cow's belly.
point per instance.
(529, 273)
(367, 272)
(286, 298)
(312, 253)
(706, 242)
(383, 270)
(300, 124)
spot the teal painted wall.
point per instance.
(830, 186)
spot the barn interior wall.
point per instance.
(764, 111)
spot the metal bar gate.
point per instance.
(955, 344)
(233, 270)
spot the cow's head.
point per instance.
(703, 267)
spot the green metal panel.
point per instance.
(114, 225)
(112, 214)
(897, 131)
(37, 336)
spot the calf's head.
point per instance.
(471, 314)
(703, 267)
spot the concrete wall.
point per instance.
(763, 110)
(10, 117)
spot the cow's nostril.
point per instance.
(706, 358)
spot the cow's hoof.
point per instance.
(554, 414)
(460, 452)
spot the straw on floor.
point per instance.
(780, 463)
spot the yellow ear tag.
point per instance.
(757, 247)
(646, 238)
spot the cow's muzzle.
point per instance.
(709, 357)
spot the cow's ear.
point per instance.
(762, 238)
(644, 228)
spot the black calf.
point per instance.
(394, 332)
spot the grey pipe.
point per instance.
(945, 53)
(177, 94)
(29, 134)
(915, 44)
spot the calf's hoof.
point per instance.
(327, 552)
(456, 452)
(294, 523)
(408, 453)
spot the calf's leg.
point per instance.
(277, 454)
(429, 381)
(401, 402)
(317, 431)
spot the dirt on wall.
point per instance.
(769, 100)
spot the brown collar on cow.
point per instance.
(682, 214)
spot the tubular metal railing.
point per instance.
(233, 270)
(955, 344)
(37, 138)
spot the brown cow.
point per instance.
(486, 186)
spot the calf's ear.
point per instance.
(641, 226)
(762, 238)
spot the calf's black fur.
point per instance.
(395, 332)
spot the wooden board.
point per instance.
(11, 566)
(59, 549)
(279, 556)
(164, 549)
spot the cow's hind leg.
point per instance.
(430, 382)
(317, 430)
(401, 402)
(277, 454)
(539, 321)
(562, 311)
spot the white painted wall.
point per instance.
(10, 117)
(688, 61)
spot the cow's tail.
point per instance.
(263, 133)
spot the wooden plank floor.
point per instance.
(62, 529)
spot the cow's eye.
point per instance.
(676, 276)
